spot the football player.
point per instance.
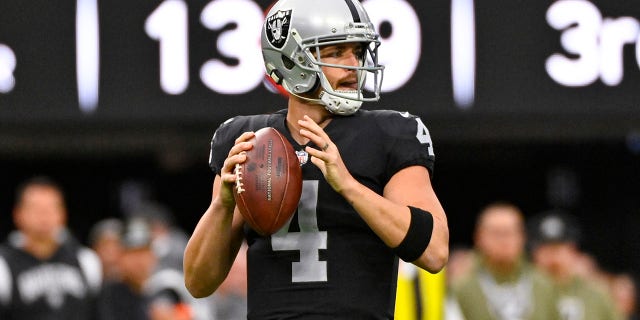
(367, 197)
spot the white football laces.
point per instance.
(239, 184)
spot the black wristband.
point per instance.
(418, 236)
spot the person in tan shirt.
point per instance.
(554, 239)
(502, 284)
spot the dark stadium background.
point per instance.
(526, 138)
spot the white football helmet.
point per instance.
(294, 31)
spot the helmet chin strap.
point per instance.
(340, 105)
(312, 100)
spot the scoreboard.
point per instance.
(472, 69)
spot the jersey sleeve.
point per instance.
(226, 135)
(221, 143)
(409, 142)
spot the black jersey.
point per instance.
(64, 287)
(326, 263)
(118, 301)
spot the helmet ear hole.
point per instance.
(288, 63)
(276, 76)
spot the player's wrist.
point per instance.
(349, 188)
(219, 205)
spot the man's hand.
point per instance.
(237, 155)
(328, 158)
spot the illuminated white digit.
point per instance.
(7, 66)
(422, 134)
(309, 240)
(168, 24)
(580, 22)
(241, 43)
(87, 54)
(638, 50)
(614, 35)
(404, 41)
(463, 52)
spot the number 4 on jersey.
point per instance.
(422, 133)
(308, 241)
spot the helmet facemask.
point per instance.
(309, 58)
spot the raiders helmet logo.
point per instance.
(277, 28)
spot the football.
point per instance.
(269, 183)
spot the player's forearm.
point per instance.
(390, 220)
(210, 251)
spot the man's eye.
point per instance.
(335, 53)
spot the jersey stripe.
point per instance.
(6, 283)
(91, 268)
(354, 11)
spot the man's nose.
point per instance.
(352, 59)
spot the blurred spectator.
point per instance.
(502, 284)
(554, 243)
(461, 263)
(44, 272)
(624, 292)
(141, 292)
(168, 241)
(104, 238)
(124, 298)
